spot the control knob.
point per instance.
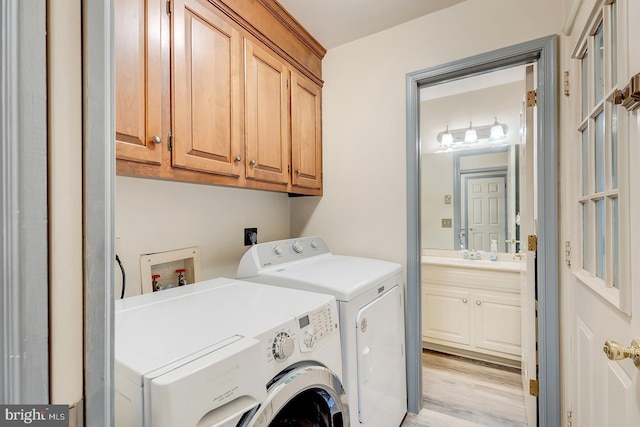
(277, 250)
(282, 346)
(313, 244)
(297, 246)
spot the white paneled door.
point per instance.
(486, 211)
(601, 215)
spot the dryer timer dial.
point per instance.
(282, 346)
(297, 247)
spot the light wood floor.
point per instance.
(459, 392)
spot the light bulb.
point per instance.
(497, 132)
(447, 138)
(470, 136)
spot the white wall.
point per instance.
(157, 216)
(437, 180)
(64, 73)
(363, 210)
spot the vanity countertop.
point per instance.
(515, 265)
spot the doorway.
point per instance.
(543, 53)
(472, 307)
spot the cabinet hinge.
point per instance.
(288, 168)
(287, 83)
(168, 7)
(170, 137)
(532, 243)
(569, 418)
(567, 252)
(532, 98)
(534, 388)
(566, 83)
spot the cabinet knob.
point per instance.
(252, 162)
(478, 302)
(238, 157)
(298, 171)
(156, 139)
(464, 300)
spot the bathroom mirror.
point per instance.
(470, 189)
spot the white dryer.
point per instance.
(225, 353)
(370, 295)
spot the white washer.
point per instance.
(371, 308)
(226, 353)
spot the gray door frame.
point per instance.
(544, 52)
(98, 218)
(24, 275)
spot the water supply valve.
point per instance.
(182, 281)
(154, 283)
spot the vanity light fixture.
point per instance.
(472, 135)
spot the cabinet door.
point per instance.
(138, 75)
(207, 98)
(306, 132)
(496, 323)
(445, 315)
(267, 115)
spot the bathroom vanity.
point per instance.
(472, 307)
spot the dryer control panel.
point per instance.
(270, 254)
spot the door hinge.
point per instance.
(567, 252)
(566, 83)
(569, 418)
(170, 137)
(534, 388)
(533, 243)
(532, 98)
(168, 7)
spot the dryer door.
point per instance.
(307, 395)
(380, 339)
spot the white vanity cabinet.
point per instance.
(472, 308)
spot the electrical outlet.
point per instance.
(446, 222)
(250, 236)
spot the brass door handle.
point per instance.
(616, 351)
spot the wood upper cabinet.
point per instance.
(138, 71)
(266, 115)
(306, 133)
(229, 89)
(206, 88)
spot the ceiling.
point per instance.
(336, 22)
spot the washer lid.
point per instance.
(344, 277)
(174, 326)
